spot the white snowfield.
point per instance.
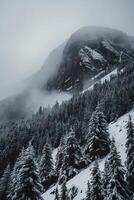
(116, 129)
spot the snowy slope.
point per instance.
(79, 181)
(108, 76)
(102, 80)
(116, 129)
(54, 154)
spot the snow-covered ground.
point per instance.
(54, 154)
(108, 76)
(116, 129)
(102, 80)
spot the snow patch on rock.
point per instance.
(109, 47)
(86, 54)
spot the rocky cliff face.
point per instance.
(88, 52)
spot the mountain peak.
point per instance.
(89, 51)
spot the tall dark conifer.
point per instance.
(64, 192)
(72, 156)
(98, 142)
(117, 187)
(96, 184)
(88, 192)
(28, 185)
(130, 154)
(46, 165)
(106, 177)
(60, 155)
(59, 133)
(13, 180)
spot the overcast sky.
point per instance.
(30, 29)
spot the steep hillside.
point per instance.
(116, 129)
(96, 79)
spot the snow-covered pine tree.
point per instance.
(4, 183)
(59, 133)
(106, 177)
(88, 192)
(117, 187)
(28, 185)
(14, 176)
(130, 154)
(46, 165)
(85, 122)
(59, 156)
(98, 141)
(64, 192)
(96, 184)
(72, 156)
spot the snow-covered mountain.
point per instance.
(90, 53)
(96, 65)
(118, 131)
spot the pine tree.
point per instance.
(130, 154)
(98, 142)
(56, 194)
(59, 133)
(46, 164)
(40, 111)
(106, 177)
(4, 183)
(59, 156)
(85, 121)
(72, 156)
(117, 188)
(28, 184)
(14, 176)
(64, 192)
(88, 193)
(96, 184)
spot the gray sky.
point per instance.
(30, 29)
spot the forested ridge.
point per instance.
(78, 127)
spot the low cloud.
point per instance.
(37, 98)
